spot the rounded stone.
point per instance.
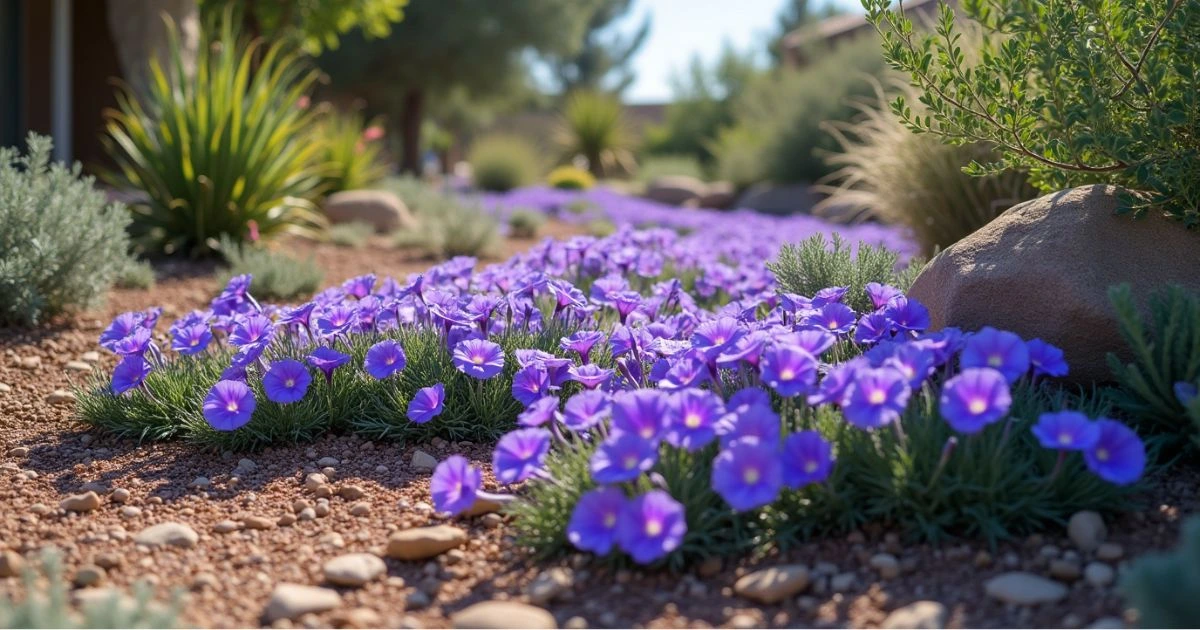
(354, 569)
(420, 543)
(773, 584)
(1098, 574)
(89, 575)
(168, 534)
(85, 502)
(1087, 530)
(289, 601)
(1024, 589)
(502, 614)
(923, 615)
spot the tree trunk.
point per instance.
(410, 129)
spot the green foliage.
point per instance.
(277, 276)
(349, 152)
(601, 228)
(1165, 588)
(501, 162)
(570, 178)
(602, 61)
(61, 245)
(1166, 350)
(353, 235)
(897, 177)
(931, 484)
(1076, 93)
(217, 148)
(138, 274)
(779, 117)
(813, 265)
(593, 127)
(316, 24)
(654, 166)
(525, 223)
(446, 225)
(46, 604)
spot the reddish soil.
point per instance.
(228, 578)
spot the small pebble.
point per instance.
(1110, 552)
(886, 564)
(361, 508)
(1098, 574)
(89, 575)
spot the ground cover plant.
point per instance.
(353, 235)
(280, 276)
(62, 245)
(570, 178)
(447, 225)
(502, 162)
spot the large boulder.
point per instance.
(383, 210)
(1043, 269)
(675, 190)
(718, 195)
(780, 199)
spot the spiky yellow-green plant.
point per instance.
(570, 178)
(350, 151)
(593, 126)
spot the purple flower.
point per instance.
(872, 328)
(136, 343)
(807, 458)
(586, 409)
(520, 454)
(581, 343)
(359, 287)
(253, 329)
(789, 370)
(835, 317)
(1046, 359)
(881, 294)
(286, 382)
(997, 349)
(1186, 392)
(623, 458)
(336, 320)
(837, 382)
(540, 412)
(327, 360)
(914, 362)
(907, 314)
(590, 376)
(530, 383)
(1118, 455)
(121, 327)
(828, 295)
(1066, 431)
(426, 404)
(693, 414)
(190, 340)
(641, 413)
(593, 525)
(747, 475)
(716, 335)
(876, 397)
(479, 358)
(131, 372)
(385, 358)
(454, 485)
(752, 423)
(814, 341)
(975, 398)
(651, 526)
(229, 405)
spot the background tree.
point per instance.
(317, 24)
(480, 46)
(796, 14)
(602, 61)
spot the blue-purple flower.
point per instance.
(130, 373)
(384, 358)
(998, 349)
(1066, 431)
(651, 526)
(190, 340)
(1046, 359)
(693, 416)
(479, 358)
(623, 458)
(881, 294)
(593, 525)
(975, 398)
(454, 485)
(530, 383)
(539, 412)
(747, 475)
(581, 343)
(876, 398)
(1118, 455)
(835, 317)
(591, 376)
(253, 329)
(907, 314)
(229, 405)
(520, 454)
(426, 404)
(640, 412)
(286, 381)
(586, 409)
(807, 458)
(788, 370)
(327, 360)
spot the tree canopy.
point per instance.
(602, 62)
(318, 24)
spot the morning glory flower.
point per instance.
(828, 295)
(520, 454)
(530, 383)
(190, 340)
(384, 358)
(640, 412)
(137, 343)
(590, 376)
(327, 360)
(876, 397)
(975, 398)
(586, 409)
(693, 414)
(1186, 392)
(836, 383)
(881, 294)
(254, 329)
(1066, 431)
(540, 412)
(1118, 456)
(131, 372)
(593, 525)
(121, 327)
(716, 335)
(756, 422)
(479, 358)
(807, 458)
(814, 341)
(229, 405)
(286, 381)
(835, 317)
(998, 349)
(1046, 359)
(581, 343)
(336, 320)
(872, 328)
(454, 485)
(789, 370)
(914, 362)
(907, 314)
(623, 458)
(361, 286)
(747, 475)
(426, 404)
(651, 526)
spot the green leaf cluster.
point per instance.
(815, 264)
(350, 156)
(593, 128)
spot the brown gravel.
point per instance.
(262, 527)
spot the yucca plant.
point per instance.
(593, 127)
(350, 151)
(220, 149)
(887, 172)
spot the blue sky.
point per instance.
(682, 28)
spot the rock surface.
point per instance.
(675, 189)
(1087, 530)
(168, 534)
(923, 615)
(289, 601)
(773, 584)
(1043, 268)
(420, 543)
(85, 502)
(383, 210)
(1024, 589)
(354, 569)
(502, 614)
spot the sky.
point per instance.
(681, 28)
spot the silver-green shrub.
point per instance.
(61, 244)
(277, 276)
(1165, 588)
(448, 226)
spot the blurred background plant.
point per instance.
(447, 225)
(501, 162)
(219, 147)
(62, 245)
(593, 129)
(570, 178)
(525, 223)
(277, 276)
(352, 235)
(1164, 588)
(315, 25)
(350, 153)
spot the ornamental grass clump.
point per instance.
(525, 223)
(352, 235)
(350, 151)
(62, 245)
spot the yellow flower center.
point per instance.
(751, 475)
(195, 342)
(1064, 438)
(231, 407)
(877, 397)
(1102, 454)
(811, 466)
(610, 520)
(646, 433)
(390, 360)
(653, 528)
(977, 406)
(477, 360)
(691, 420)
(787, 374)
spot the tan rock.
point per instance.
(168, 534)
(502, 614)
(420, 543)
(85, 502)
(60, 396)
(11, 563)
(1024, 589)
(922, 615)
(289, 601)
(381, 209)
(354, 569)
(773, 584)
(258, 522)
(549, 585)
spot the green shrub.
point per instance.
(61, 245)
(1075, 94)
(778, 129)
(570, 178)
(353, 235)
(593, 127)
(502, 162)
(277, 276)
(813, 265)
(601, 228)
(1166, 351)
(219, 151)
(1165, 588)
(917, 181)
(654, 166)
(525, 223)
(350, 151)
(138, 274)
(46, 604)
(446, 226)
